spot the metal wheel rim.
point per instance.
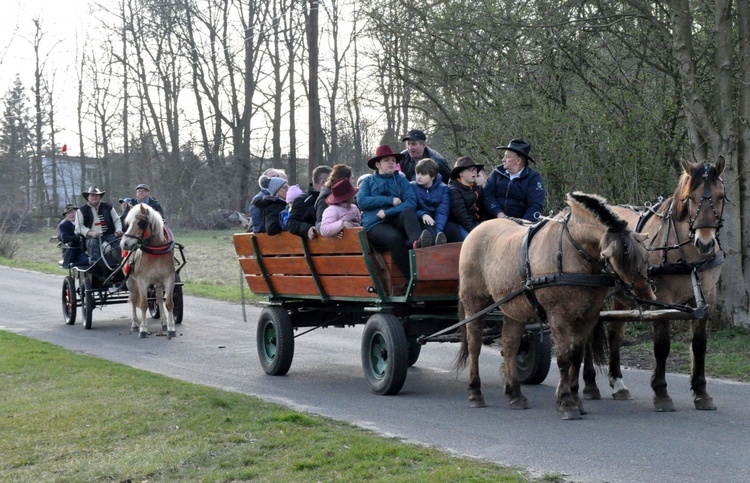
(269, 342)
(378, 356)
(68, 299)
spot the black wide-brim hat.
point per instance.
(462, 164)
(383, 151)
(68, 208)
(520, 147)
(93, 190)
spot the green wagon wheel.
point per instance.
(534, 358)
(385, 354)
(275, 341)
(69, 300)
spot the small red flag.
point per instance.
(64, 149)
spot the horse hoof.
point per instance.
(705, 403)
(592, 394)
(571, 415)
(582, 410)
(171, 333)
(142, 335)
(163, 328)
(477, 403)
(622, 395)
(519, 403)
(664, 405)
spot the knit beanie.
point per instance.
(263, 182)
(293, 193)
(275, 184)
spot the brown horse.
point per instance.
(151, 262)
(685, 244)
(568, 264)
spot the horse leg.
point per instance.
(134, 300)
(143, 304)
(567, 353)
(590, 389)
(702, 399)
(662, 401)
(574, 373)
(159, 301)
(474, 332)
(169, 290)
(615, 335)
(512, 333)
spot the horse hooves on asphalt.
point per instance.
(171, 333)
(142, 335)
(622, 395)
(664, 405)
(705, 403)
(592, 394)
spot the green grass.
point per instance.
(69, 417)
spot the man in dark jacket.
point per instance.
(97, 222)
(515, 189)
(302, 216)
(143, 195)
(416, 150)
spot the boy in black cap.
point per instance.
(416, 150)
(70, 242)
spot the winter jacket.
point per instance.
(433, 201)
(302, 215)
(409, 164)
(71, 244)
(321, 205)
(255, 214)
(152, 202)
(377, 192)
(335, 215)
(270, 207)
(85, 219)
(521, 197)
(466, 204)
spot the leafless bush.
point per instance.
(8, 242)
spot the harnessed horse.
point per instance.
(686, 260)
(564, 282)
(151, 261)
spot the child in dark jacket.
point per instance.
(271, 206)
(466, 196)
(433, 205)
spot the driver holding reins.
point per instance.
(97, 222)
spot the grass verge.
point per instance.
(69, 417)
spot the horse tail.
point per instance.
(463, 353)
(599, 345)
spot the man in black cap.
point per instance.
(415, 151)
(514, 189)
(142, 195)
(97, 222)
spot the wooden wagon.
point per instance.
(342, 282)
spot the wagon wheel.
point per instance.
(153, 306)
(534, 358)
(177, 299)
(385, 354)
(275, 340)
(88, 302)
(415, 348)
(69, 300)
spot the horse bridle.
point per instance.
(143, 225)
(706, 196)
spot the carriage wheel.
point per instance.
(153, 306)
(88, 303)
(275, 339)
(69, 300)
(385, 354)
(177, 299)
(534, 358)
(415, 348)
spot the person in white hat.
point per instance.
(97, 222)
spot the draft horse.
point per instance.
(685, 255)
(566, 268)
(151, 262)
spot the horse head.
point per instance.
(143, 224)
(622, 249)
(699, 200)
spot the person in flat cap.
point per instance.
(515, 189)
(70, 242)
(388, 205)
(272, 204)
(142, 195)
(416, 150)
(97, 222)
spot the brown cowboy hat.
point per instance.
(341, 190)
(68, 208)
(520, 147)
(383, 151)
(93, 190)
(462, 164)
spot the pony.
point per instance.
(685, 255)
(565, 267)
(151, 261)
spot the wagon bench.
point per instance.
(340, 282)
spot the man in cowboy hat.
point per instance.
(416, 150)
(97, 222)
(515, 189)
(70, 242)
(142, 195)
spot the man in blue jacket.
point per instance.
(514, 189)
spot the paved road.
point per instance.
(616, 442)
